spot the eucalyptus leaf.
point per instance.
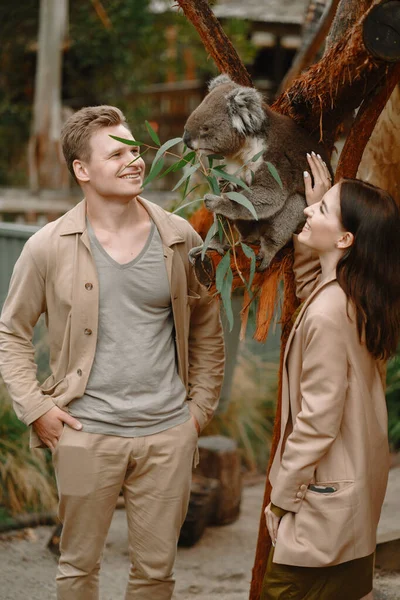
(156, 169)
(236, 180)
(274, 174)
(128, 142)
(166, 147)
(178, 208)
(186, 176)
(221, 232)
(249, 252)
(226, 292)
(257, 156)
(241, 199)
(152, 134)
(210, 234)
(222, 270)
(214, 185)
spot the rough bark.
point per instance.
(347, 15)
(320, 99)
(307, 54)
(215, 40)
(364, 125)
(46, 166)
(381, 158)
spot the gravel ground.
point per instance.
(218, 567)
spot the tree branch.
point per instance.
(307, 54)
(215, 40)
(364, 124)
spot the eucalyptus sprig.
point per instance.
(218, 182)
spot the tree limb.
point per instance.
(215, 40)
(364, 124)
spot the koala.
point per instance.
(233, 121)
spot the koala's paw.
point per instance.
(263, 261)
(212, 202)
(194, 253)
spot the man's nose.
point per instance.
(187, 138)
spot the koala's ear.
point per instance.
(221, 79)
(245, 105)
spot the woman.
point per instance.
(329, 474)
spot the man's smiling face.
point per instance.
(110, 172)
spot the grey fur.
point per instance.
(234, 122)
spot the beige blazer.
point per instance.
(334, 430)
(56, 275)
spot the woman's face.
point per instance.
(323, 228)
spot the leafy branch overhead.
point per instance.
(213, 179)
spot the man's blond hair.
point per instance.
(79, 127)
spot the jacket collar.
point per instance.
(75, 221)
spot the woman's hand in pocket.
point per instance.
(272, 521)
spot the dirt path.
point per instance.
(218, 567)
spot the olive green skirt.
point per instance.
(351, 580)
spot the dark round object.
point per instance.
(204, 270)
(382, 31)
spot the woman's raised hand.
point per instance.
(322, 179)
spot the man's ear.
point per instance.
(345, 241)
(80, 171)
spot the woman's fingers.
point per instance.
(272, 521)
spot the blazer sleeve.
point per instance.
(307, 269)
(206, 349)
(323, 387)
(24, 304)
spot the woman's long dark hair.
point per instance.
(369, 271)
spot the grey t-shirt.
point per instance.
(134, 388)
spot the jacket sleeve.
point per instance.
(323, 388)
(307, 269)
(206, 349)
(23, 306)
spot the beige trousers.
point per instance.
(155, 474)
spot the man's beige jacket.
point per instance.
(56, 275)
(333, 430)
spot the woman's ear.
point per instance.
(345, 241)
(80, 171)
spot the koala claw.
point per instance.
(194, 253)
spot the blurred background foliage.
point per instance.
(106, 61)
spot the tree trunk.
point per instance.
(309, 51)
(381, 159)
(46, 166)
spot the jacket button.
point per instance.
(79, 371)
(89, 286)
(299, 495)
(88, 332)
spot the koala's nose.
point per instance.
(187, 139)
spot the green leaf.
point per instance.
(137, 158)
(249, 252)
(128, 142)
(226, 293)
(274, 174)
(257, 156)
(236, 180)
(155, 170)
(186, 176)
(221, 232)
(152, 134)
(222, 270)
(241, 199)
(215, 156)
(166, 147)
(214, 185)
(178, 208)
(210, 234)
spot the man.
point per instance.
(136, 356)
